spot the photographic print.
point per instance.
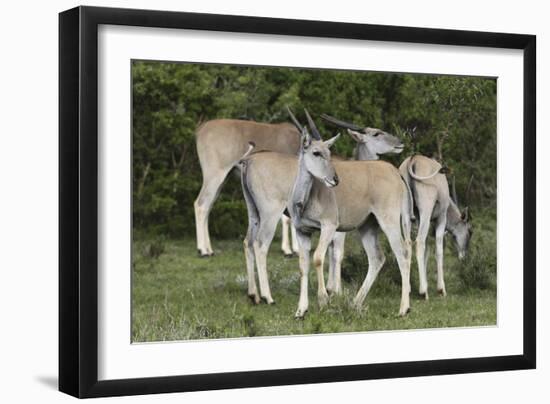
(275, 201)
(235, 187)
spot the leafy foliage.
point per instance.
(451, 118)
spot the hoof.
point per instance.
(403, 313)
(424, 296)
(300, 315)
(268, 300)
(288, 255)
(323, 299)
(358, 307)
(254, 298)
(201, 255)
(442, 292)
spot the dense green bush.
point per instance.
(453, 118)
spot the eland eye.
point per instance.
(317, 154)
(377, 134)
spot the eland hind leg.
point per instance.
(425, 209)
(211, 185)
(251, 234)
(249, 256)
(262, 242)
(376, 258)
(402, 250)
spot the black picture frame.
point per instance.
(78, 201)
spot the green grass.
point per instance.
(178, 296)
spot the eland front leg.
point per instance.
(439, 236)
(336, 255)
(330, 279)
(285, 235)
(294, 239)
(327, 234)
(304, 241)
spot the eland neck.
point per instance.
(453, 216)
(363, 153)
(300, 192)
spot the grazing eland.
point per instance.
(430, 189)
(220, 145)
(367, 188)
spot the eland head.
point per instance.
(462, 233)
(315, 153)
(461, 228)
(375, 141)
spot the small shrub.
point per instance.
(354, 267)
(155, 248)
(478, 269)
(203, 331)
(250, 326)
(316, 326)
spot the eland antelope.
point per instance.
(430, 190)
(220, 145)
(316, 203)
(371, 144)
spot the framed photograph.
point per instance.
(251, 201)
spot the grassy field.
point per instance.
(178, 296)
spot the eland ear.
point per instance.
(466, 214)
(306, 139)
(355, 135)
(331, 141)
